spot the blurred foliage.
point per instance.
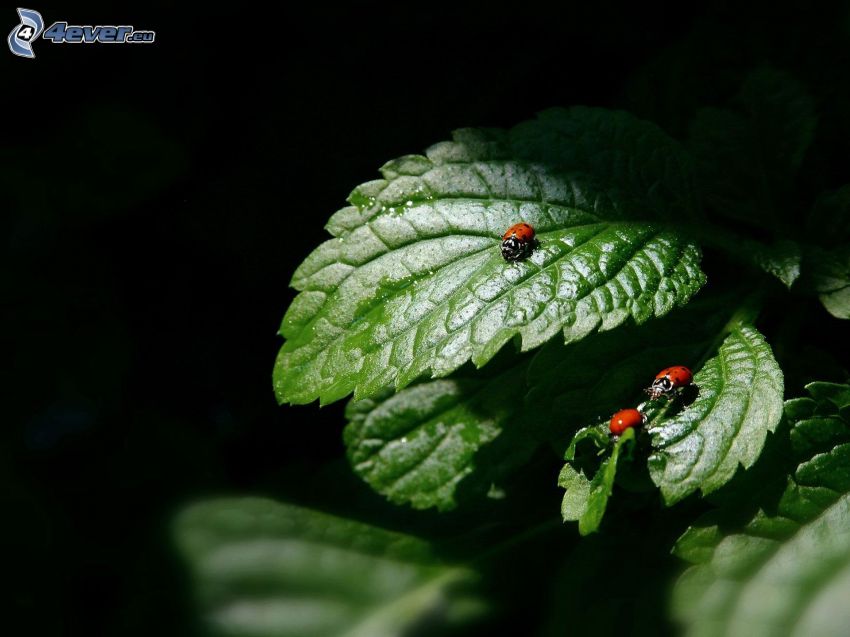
(269, 569)
(784, 569)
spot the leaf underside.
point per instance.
(413, 284)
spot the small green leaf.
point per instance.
(577, 487)
(739, 402)
(597, 434)
(827, 260)
(697, 543)
(785, 570)
(829, 273)
(781, 259)
(266, 569)
(439, 441)
(837, 394)
(586, 500)
(414, 284)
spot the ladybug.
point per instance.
(668, 380)
(625, 419)
(518, 242)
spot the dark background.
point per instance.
(157, 198)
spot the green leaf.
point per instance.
(570, 386)
(695, 446)
(586, 500)
(829, 272)
(828, 262)
(785, 569)
(747, 154)
(833, 274)
(438, 442)
(264, 569)
(781, 259)
(782, 114)
(837, 394)
(827, 223)
(634, 156)
(414, 284)
(739, 402)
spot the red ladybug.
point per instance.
(668, 380)
(625, 419)
(518, 242)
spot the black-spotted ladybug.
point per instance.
(518, 242)
(668, 380)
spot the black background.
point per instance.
(157, 199)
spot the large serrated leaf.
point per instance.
(785, 570)
(439, 442)
(739, 402)
(266, 569)
(414, 284)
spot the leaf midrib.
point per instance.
(540, 270)
(376, 306)
(532, 274)
(754, 384)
